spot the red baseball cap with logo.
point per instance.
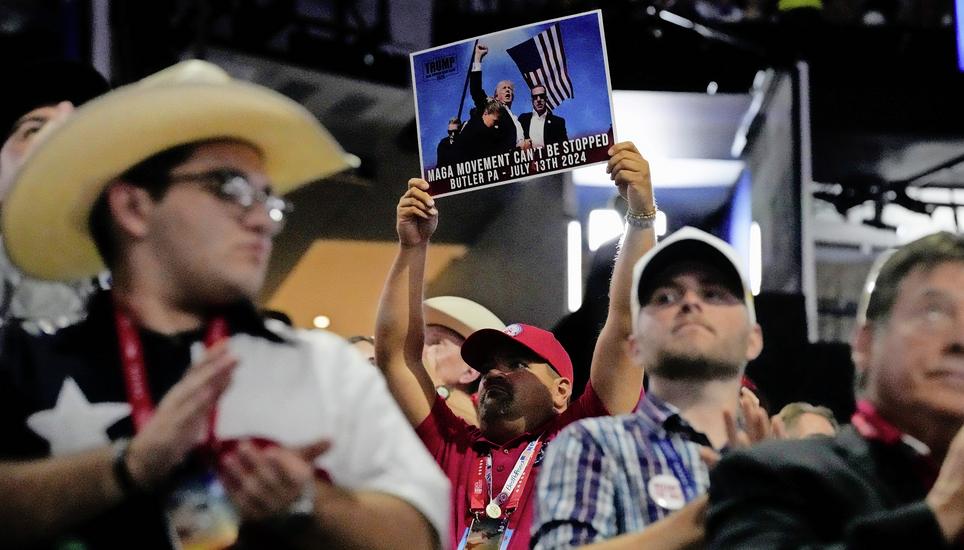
(480, 345)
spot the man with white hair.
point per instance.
(510, 131)
(174, 416)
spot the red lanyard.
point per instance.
(871, 426)
(482, 500)
(135, 373)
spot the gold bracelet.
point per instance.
(643, 220)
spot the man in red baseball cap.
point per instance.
(522, 348)
(479, 345)
(526, 374)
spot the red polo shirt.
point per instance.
(457, 446)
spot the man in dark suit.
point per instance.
(480, 137)
(446, 152)
(541, 127)
(895, 477)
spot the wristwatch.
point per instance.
(305, 505)
(121, 472)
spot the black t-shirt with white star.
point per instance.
(64, 393)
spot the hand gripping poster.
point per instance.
(514, 104)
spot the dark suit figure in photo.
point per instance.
(481, 136)
(446, 152)
(541, 127)
(510, 132)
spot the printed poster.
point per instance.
(512, 105)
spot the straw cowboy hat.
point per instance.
(45, 216)
(460, 314)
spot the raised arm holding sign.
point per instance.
(526, 374)
(571, 122)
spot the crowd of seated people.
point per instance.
(172, 413)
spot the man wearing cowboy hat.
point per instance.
(174, 416)
(449, 320)
(47, 91)
(526, 373)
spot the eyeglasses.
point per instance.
(234, 186)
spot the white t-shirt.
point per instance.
(537, 127)
(317, 387)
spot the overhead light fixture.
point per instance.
(605, 224)
(673, 173)
(574, 266)
(321, 321)
(756, 258)
(660, 224)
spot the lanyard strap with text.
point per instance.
(682, 475)
(508, 498)
(675, 463)
(135, 372)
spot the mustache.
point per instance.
(689, 319)
(496, 384)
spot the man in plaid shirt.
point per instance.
(694, 330)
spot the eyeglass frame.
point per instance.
(218, 180)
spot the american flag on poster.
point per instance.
(542, 61)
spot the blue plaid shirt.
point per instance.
(593, 483)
